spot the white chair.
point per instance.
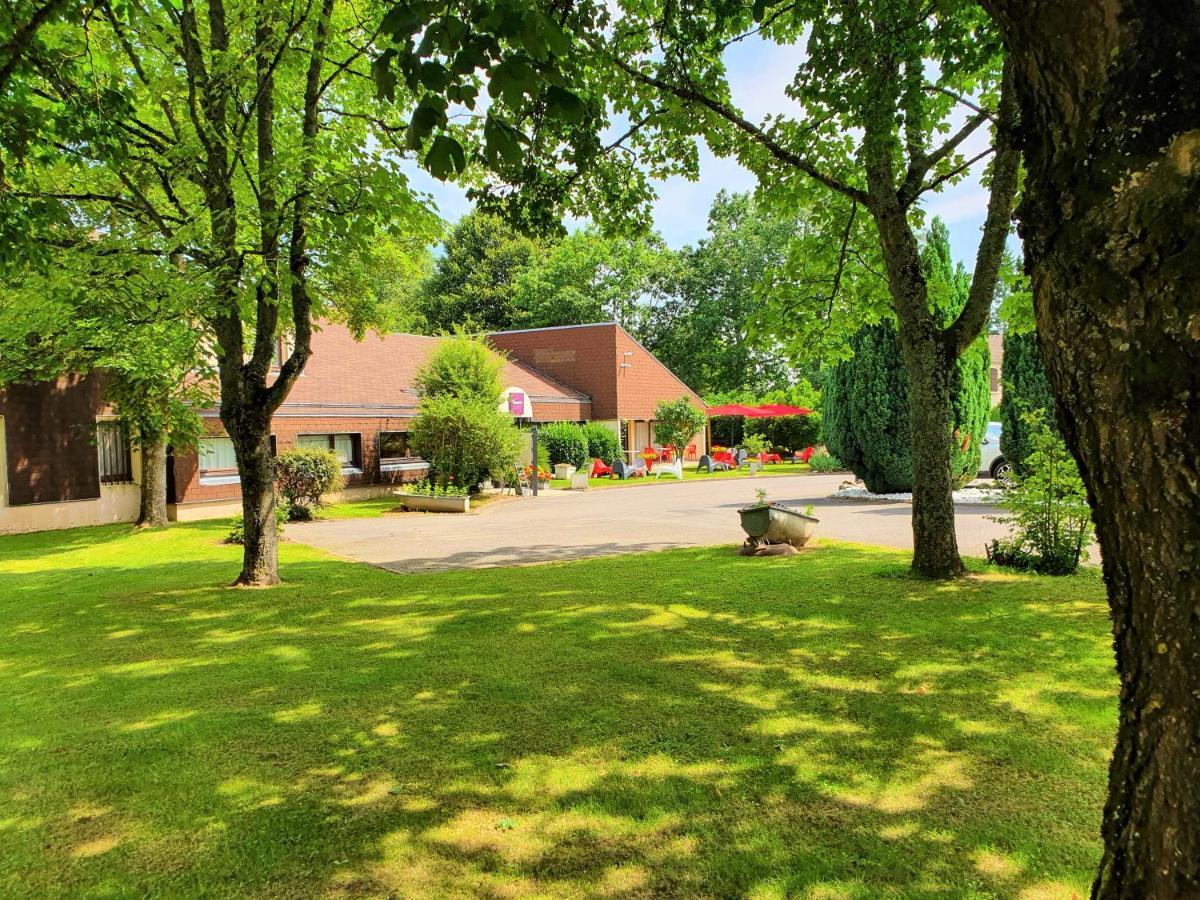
(672, 468)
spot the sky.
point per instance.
(758, 73)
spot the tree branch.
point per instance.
(15, 47)
(920, 165)
(781, 153)
(969, 323)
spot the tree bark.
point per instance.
(260, 542)
(152, 512)
(1110, 101)
(935, 542)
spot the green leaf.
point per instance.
(445, 158)
(502, 142)
(562, 104)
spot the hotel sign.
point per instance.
(516, 403)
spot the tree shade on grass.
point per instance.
(814, 726)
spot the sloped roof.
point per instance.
(374, 376)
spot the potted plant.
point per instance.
(770, 523)
(428, 496)
(564, 471)
(755, 445)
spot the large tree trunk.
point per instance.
(1110, 99)
(152, 512)
(930, 368)
(260, 548)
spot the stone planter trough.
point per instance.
(428, 503)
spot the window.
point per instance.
(394, 445)
(217, 456)
(395, 454)
(112, 448)
(344, 446)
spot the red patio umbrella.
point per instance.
(737, 409)
(782, 409)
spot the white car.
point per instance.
(992, 461)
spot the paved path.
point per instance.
(568, 525)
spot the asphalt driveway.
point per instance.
(561, 525)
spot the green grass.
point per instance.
(371, 508)
(688, 724)
(690, 474)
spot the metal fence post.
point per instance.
(535, 478)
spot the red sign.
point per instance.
(516, 403)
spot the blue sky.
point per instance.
(758, 73)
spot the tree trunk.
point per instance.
(1110, 100)
(935, 542)
(260, 548)
(929, 360)
(152, 512)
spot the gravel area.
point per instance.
(968, 496)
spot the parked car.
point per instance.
(993, 462)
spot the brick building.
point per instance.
(67, 464)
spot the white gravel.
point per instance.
(968, 496)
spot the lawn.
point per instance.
(684, 724)
(690, 473)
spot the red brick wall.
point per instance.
(187, 473)
(50, 439)
(645, 381)
(583, 358)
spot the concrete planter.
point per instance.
(755, 466)
(564, 471)
(772, 524)
(579, 481)
(427, 503)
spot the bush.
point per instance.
(1026, 389)
(237, 525)
(787, 433)
(824, 462)
(302, 476)
(602, 443)
(565, 443)
(1052, 523)
(463, 367)
(464, 440)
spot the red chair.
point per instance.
(690, 453)
(805, 455)
(599, 469)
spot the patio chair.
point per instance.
(806, 454)
(690, 452)
(708, 464)
(599, 469)
(623, 470)
(741, 456)
(672, 468)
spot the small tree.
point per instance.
(1052, 523)
(464, 440)
(303, 476)
(676, 422)
(565, 442)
